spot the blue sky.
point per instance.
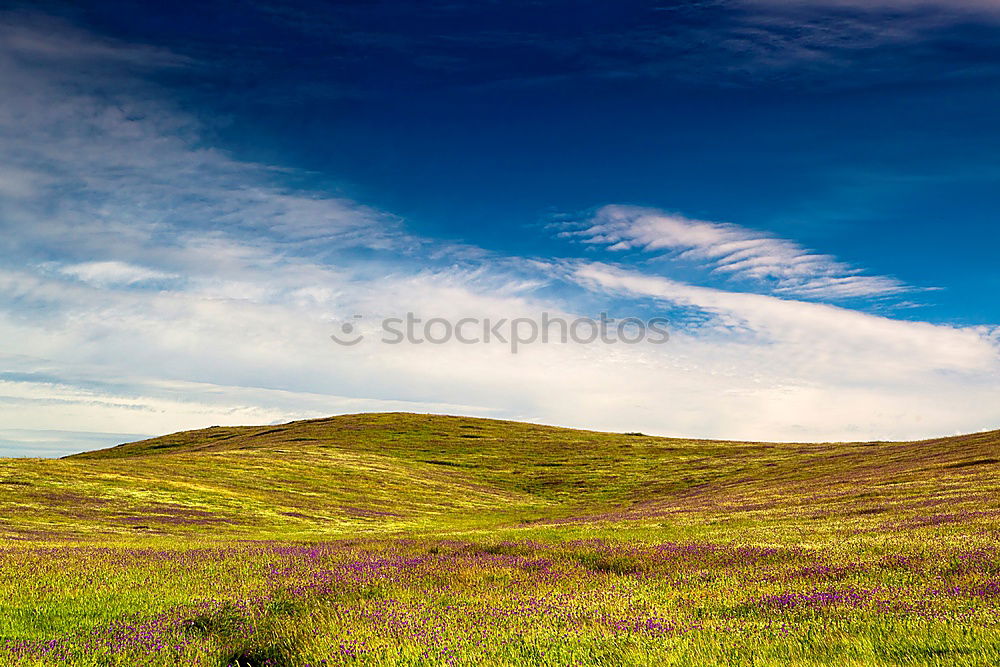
(193, 196)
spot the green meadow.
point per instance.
(402, 539)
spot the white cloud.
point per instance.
(820, 336)
(107, 274)
(733, 250)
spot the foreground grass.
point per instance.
(399, 539)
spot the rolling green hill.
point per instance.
(386, 473)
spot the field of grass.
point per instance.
(400, 539)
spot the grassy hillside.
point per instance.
(417, 539)
(394, 472)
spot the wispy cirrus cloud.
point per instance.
(963, 7)
(732, 250)
(38, 40)
(114, 273)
